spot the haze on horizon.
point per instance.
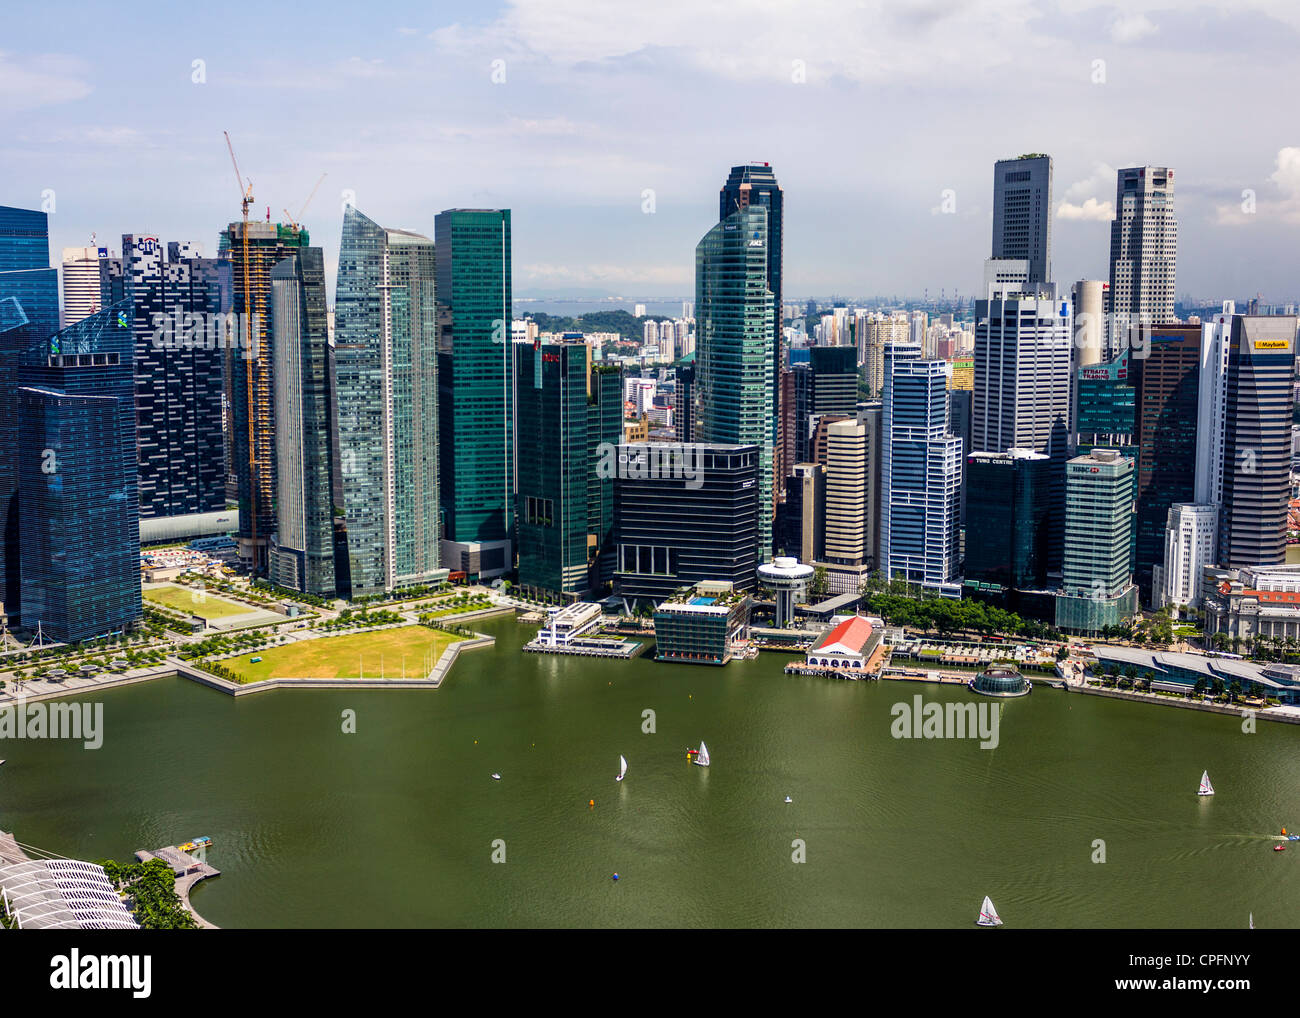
(868, 113)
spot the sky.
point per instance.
(609, 127)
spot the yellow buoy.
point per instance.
(591, 803)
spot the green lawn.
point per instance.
(346, 657)
(193, 601)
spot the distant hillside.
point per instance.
(626, 325)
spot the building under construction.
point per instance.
(249, 369)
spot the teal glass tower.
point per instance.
(570, 423)
(475, 389)
(386, 352)
(733, 347)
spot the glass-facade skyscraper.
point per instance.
(733, 346)
(180, 302)
(570, 423)
(1022, 213)
(77, 481)
(302, 545)
(475, 389)
(25, 271)
(386, 354)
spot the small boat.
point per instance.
(1206, 788)
(788, 799)
(622, 768)
(1252, 920)
(702, 756)
(496, 777)
(1279, 848)
(988, 914)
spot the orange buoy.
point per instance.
(591, 803)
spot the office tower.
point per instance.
(847, 543)
(1022, 213)
(920, 475)
(1089, 296)
(1097, 588)
(963, 374)
(79, 528)
(20, 344)
(252, 256)
(25, 271)
(1167, 390)
(1009, 504)
(386, 364)
(880, 331)
(1143, 250)
(754, 186)
(678, 523)
(826, 384)
(301, 553)
(570, 427)
(684, 402)
(960, 404)
(734, 366)
(1190, 532)
(1022, 383)
(81, 282)
(1244, 445)
(1105, 414)
(475, 390)
(181, 303)
(803, 512)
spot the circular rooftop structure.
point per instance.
(781, 571)
(1000, 680)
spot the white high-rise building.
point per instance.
(80, 283)
(1190, 537)
(640, 392)
(639, 311)
(1143, 250)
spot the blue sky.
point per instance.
(868, 111)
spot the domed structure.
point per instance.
(789, 581)
(1000, 680)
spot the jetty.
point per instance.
(188, 872)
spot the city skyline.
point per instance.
(597, 212)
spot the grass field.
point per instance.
(347, 657)
(196, 602)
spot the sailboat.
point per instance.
(622, 768)
(988, 914)
(1252, 920)
(702, 757)
(1206, 788)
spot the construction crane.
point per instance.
(289, 215)
(246, 200)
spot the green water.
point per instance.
(393, 826)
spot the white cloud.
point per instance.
(1131, 27)
(1092, 209)
(1100, 181)
(1252, 208)
(29, 82)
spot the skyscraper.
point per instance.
(386, 350)
(475, 389)
(1143, 250)
(752, 186)
(77, 481)
(570, 425)
(252, 380)
(181, 305)
(25, 271)
(1022, 213)
(847, 541)
(734, 366)
(81, 282)
(1244, 447)
(920, 475)
(1097, 588)
(301, 552)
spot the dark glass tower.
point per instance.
(77, 481)
(475, 389)
(1022, 213)
(754, 185)
(25, 271)
(734, 366)
(570, 422)
(1010, 505)
(181, 303)
(386, 345)
(302, 545)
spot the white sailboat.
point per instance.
(702, 757)
(1206, 788)
(622, 768)
(988, 914)
(1252, 920)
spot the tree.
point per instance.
(818, 587)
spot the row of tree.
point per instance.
(151, 887)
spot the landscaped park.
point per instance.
(408, 652)
(196, 602)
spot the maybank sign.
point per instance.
(1272, 344)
